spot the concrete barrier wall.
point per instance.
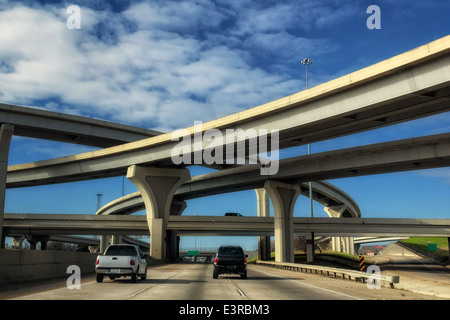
(26, 265)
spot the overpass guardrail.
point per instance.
(329, 271)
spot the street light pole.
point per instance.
(310, 237)
(306, 62)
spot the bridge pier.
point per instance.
(33, 240)
(340, 244)
(310, 247)
(116, 239)
(157, 187)
(104, 242)
(263, 208)
(283, 198)
(6, 133)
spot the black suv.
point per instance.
(230, 260)
(233, 214)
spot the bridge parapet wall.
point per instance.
(29, 265)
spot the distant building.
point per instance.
(370, 250)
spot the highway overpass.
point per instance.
(79, 224)
(412, 85)
(48, 125)
(323, 192)
(409, 86)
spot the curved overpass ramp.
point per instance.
(409, 86)
(48, 125)
(323, 192)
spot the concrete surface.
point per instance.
(29, 265)
(195, 282)
(417, 274)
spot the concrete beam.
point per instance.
(53, 224)
(49, 125)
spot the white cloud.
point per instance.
(159, 64)
(443, 174)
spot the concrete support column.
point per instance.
(263, 208)
(310, 247)
(283, 198)
(340, 244)
(351, 245)
(336, 244)
(177, 207)
(104, 242)
(116, 239)
(17, 242)
(173, 244)
(6, 132)
(157, 187)
(33, 240)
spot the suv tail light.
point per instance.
(245, 260)
(215, 260)
(131, 262)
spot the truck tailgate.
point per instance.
(114, 262)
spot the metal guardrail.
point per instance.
(328, 271)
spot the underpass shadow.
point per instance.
(152, 281)
(257, 278)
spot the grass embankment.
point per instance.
(420, 244)
(326, 258)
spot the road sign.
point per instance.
(193, 253)
(432, 247)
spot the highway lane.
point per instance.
(194, 282)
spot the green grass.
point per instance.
(421, 244)
(300, 255)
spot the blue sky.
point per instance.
(165, 64)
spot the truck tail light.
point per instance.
(245, 260)
(131, 262)
(97, 262)
(215, 260)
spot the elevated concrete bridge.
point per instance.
(412, 85)
(323, 192)
(48, 125)
(409, 86)
(59, 224)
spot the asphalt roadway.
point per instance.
(194, 281)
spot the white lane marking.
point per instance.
(310, 285)
(241, 292)
(137, 292)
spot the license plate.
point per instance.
(114, 270)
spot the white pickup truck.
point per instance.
(121, 260)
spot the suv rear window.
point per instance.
(231, 251)
(121, 251)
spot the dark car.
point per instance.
(233, 214)
(230, 260)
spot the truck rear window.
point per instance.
(231, 251)
(120, 251)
